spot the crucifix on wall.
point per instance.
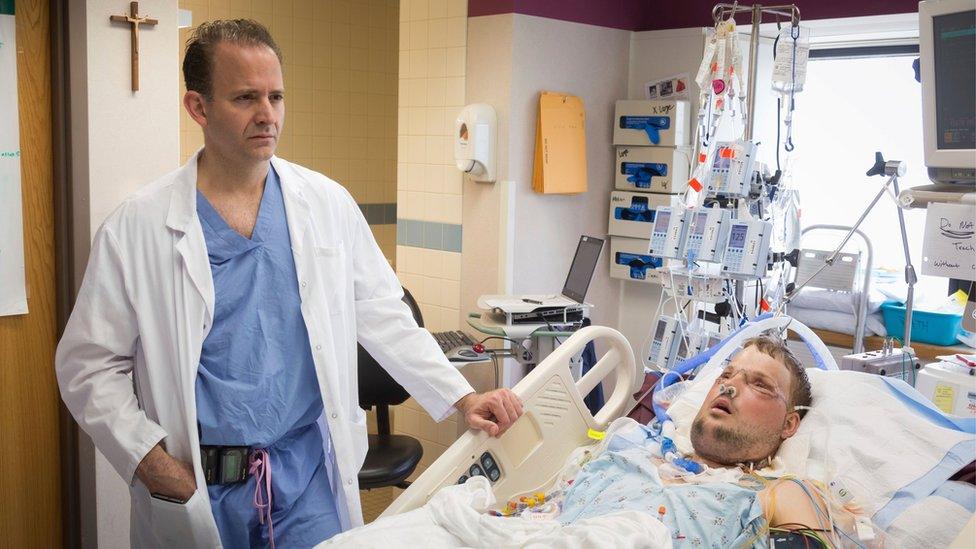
(134, 20)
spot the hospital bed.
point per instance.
(531, 454)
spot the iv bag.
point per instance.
(790, 66)
(785, 210)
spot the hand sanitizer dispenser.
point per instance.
(474, 141)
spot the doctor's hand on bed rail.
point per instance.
(492, 412)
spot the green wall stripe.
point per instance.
(429, 234)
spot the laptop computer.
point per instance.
(542, 308)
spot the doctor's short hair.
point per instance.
(198, 60)
(773, 346)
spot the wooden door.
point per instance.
(30, 475)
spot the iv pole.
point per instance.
(723, 11)
(892, 169)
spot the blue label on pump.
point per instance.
(638, 263)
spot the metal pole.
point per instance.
(910, 276)
(753, 69)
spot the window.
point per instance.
(848, 109)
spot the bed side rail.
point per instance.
(555, 421)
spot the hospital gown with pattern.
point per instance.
(626, 478)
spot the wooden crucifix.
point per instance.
(134, 20)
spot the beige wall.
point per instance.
(433, 37)
(341, 90)
(432, 69)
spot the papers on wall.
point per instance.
(949, 247)
(13, 290)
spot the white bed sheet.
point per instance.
(455, 517)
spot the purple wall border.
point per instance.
(640, 15)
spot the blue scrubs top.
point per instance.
(256, 384)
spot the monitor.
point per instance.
(947, 50)
(581, 272)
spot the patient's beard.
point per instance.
(730, 445)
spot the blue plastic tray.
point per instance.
(927, 327)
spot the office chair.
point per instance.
(390, 458)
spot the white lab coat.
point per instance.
(147, 304)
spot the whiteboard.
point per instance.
(13, 287)
(949, 248)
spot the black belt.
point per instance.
(224, 464)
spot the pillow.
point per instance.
(884, 448)
(834, 321)
(832, 300)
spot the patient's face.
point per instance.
(750, 426)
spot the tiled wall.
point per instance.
(341, 93)
(431, 93)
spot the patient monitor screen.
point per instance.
(954, 41)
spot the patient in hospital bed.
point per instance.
(713, 496)
(636, 490)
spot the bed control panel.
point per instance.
(486, 466)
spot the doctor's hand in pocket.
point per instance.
(492, 412)
(167, 476)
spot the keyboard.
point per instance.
(452, 340)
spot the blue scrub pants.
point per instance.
(303, 515)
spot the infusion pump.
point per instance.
(732, 169)
(747, 253)
(668, 342)
(709, 235)
(674, 342)
(669, 231)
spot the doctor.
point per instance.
(234, 290)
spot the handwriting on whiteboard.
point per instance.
(949, 248)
